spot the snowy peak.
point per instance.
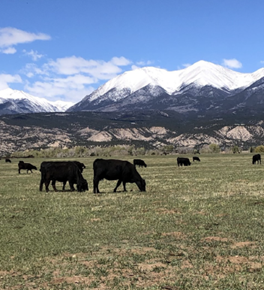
(155, 88)
(202, 73)
(14, 101)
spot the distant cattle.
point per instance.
(195, 158)
(8, 160)
(26, 166)
(62, 171)
(139, 162)
(120, 170)
(256, 158)
(183, 161)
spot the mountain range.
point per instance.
(151, 107)
(200, 89)
(14, 101)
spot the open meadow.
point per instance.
(196, 227)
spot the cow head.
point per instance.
(141, 184)
(82, 185)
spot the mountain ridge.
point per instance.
(145, 86)
(15, 101)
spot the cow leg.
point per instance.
(63, 186)
(71, 186)
(124, 185)
(41, 185)
(54, 185)
(95, 185)
(118, 183)
(47, 185)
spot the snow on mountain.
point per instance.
(14, 101)
(62, 106)
(201, 73)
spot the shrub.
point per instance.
(259, 149)
(214, 148)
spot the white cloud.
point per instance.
(9, 50)
(95, 68)
(133, 67)
(10, 37)
(72, 88)
(144, 63)
(33, 54)
(232, 63)
(120, 61)
(70, 77)
(5, 79)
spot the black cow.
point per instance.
(26, 166)
(120, 170)
(62, 171)
(139, 162)
(183, 161)
(80, 165)
(256, 158)
(8, 160)
(195, 158)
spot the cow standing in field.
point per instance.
(26, 166)
(195, 158)
(139, 162)
(183, 161)
(7, 160)
(256, 158)
(62, 171)
(120, 170)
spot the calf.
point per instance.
(139, 162)
(256, 158)
(26, 166)
(120, 170)
(195, 158)
(183, 161)
(62, 171)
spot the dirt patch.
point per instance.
(177, 235)
(142, 267)
(243, 244)
(215, 239)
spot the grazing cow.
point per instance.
(7, 160)
(183, 161)
(256, 158)
(139, 162)
(81, 166)
(26, 166)
(120, 170)
(62, 171)
(195, 158)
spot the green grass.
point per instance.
(196, 227)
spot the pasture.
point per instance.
(196, 227)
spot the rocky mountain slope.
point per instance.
(149, 129)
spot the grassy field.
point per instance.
(196, 227)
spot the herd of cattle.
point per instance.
(110, 169)
(71, 171)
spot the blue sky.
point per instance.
(65, 49)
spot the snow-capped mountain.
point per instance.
(14, 101)
(200, 87)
